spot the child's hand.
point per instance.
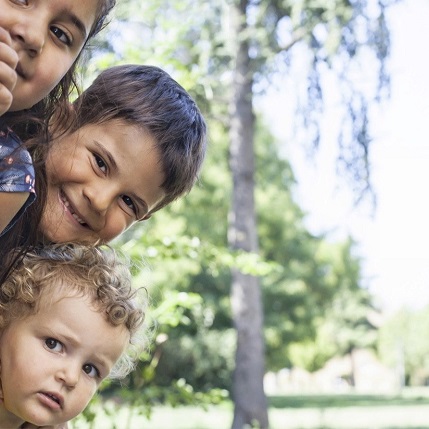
(8, 76)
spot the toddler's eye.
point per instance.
(61, 35)
(100, 163)
(91, 370)
(53, 344)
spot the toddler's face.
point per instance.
(54, 361)
(48, 36)
(101, 180)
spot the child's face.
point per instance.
(47, 36)
(53, 362)
(101, 180)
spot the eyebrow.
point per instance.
(140, 201)
(74, 341)
(102, 365)
(77, 22)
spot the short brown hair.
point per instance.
(148, 97)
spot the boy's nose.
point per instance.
(99, 199)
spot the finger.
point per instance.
(5, 37)
(6, 99)
(8, 55)
(8, 76)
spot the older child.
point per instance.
(40, 43)
(69, 318)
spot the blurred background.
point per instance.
(290, 288)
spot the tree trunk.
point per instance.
(250, 405)
(352, 367)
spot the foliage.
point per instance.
(347, 321)
(181, 254)
(403, 344)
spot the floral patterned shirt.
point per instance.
(16, 168)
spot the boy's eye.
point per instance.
(61, 35)
(129, 203)
(53, 344)
(100, 163)
(91, 370)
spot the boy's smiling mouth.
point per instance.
(71, 210)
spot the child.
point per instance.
(69, 318)
(136, 143)
(40, 43)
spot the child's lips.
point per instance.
(52, 400)
(72, 210)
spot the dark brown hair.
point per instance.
(148, 97)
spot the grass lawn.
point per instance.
(287, 412)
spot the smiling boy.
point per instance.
(136, 144)
(101, 180)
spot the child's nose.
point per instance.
(30, 35)
(99, 199)
(69, 374)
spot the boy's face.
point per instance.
(48, 36)
(101, 180)
(53, 362)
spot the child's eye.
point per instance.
(100, 163)
(53, 344)
(91, 370)
(23, 2)
(61, 35)
(129, 203)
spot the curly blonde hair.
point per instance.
(93, 272)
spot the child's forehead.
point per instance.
(74, 319)
(59, 289)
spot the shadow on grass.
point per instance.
(343, 400)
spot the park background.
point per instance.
(343, 270)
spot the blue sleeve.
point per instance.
(16, 169)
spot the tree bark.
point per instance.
(250, 405)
